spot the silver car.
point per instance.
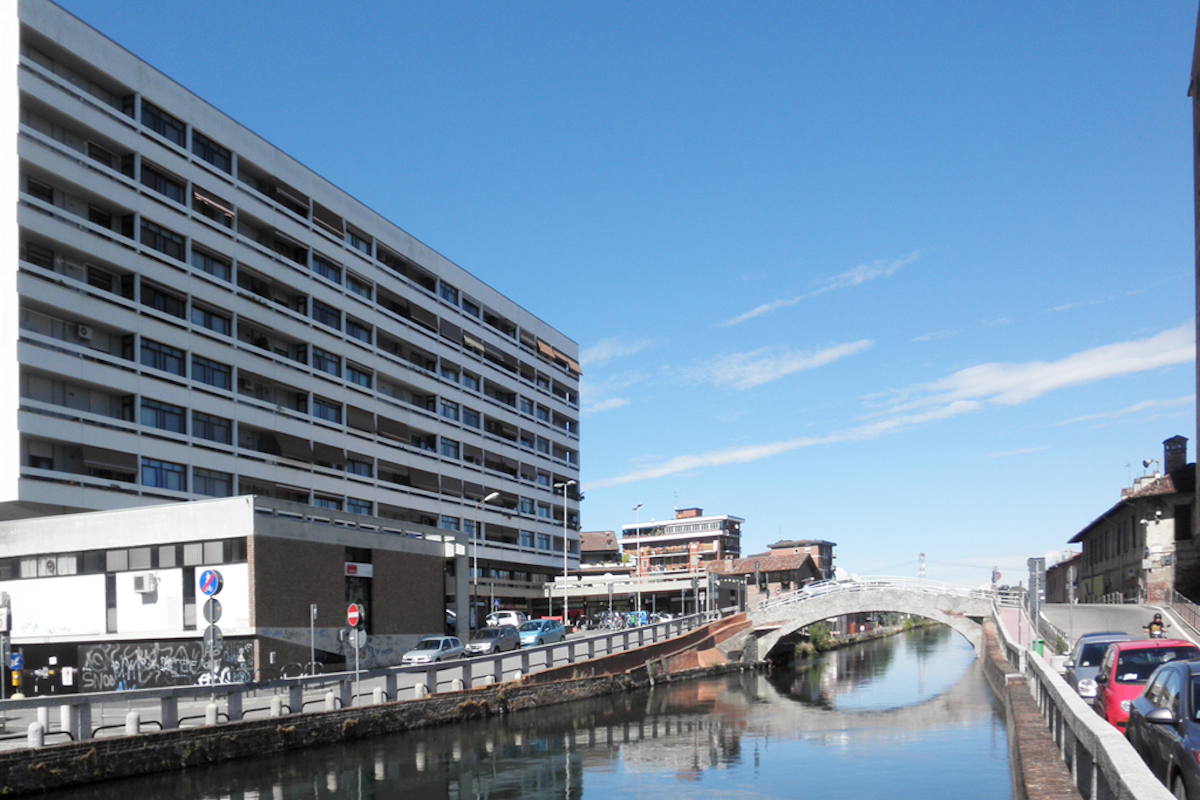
(433, 648)
(1084, 663)
(494, 639)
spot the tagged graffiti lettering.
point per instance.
(147, 665)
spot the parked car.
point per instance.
(1084, 660)
(433, 648)
(1163, 728)
(494, 639)
(1125, 670)
(541, 631)
(514, 618)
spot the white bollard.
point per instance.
(43, 717)
(210, 714)
(36, 736)
(421, 690)
(518, 676)
(379, 696)
(133, 723)
(330, 701)
(457, 685)
(276, 706)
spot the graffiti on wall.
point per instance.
(121, 666)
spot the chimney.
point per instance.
(1174, 454)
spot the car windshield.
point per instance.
(1092, 654)
(428, 644)
(1135, 666)
(532, 625)
(487, 633)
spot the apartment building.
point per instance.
(685, 544)
(191, 313)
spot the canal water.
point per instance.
(905, 717)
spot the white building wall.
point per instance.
(68, 607)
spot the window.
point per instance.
(449, 523)
(470, 417)
(163, 124)
(525, 404)
(543, 479)
(422, 441)
(212, 320)
(168, 186)
(359, 330)
(357, 506)
(326, 268)
(211, 483)
(449, 410)
(210, 151)
(526, 505)
(215, 265)
(211, 372)
(449, 448)
(360, 242)
(164, 241)
(470, 307)
(526, 538)
(359, 286)
(543, 541)
(448, 293)
(162, 300)
(331, 503)
(163, 416)
(40, 191)
(357, 466)
(161, 356)
(42, 257)
(101, 155)
(450, 372)
(98, 216)
(326, 314)
(164, 475)
(543, 446)
(359, 375)
(543, 413)
(326, 362)
(470, 381)
(212, 428)
(327, 410)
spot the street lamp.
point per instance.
(637, 544)
(475, 559)
(564, 488)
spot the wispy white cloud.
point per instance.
(611, 404)
(966, 391)
(861, 274)
(747, 370)
(933, 337)
(1136, 408)
(609, 349)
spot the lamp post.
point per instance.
(637, 543)
(475, 559)
(564, 486)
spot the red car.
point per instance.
(1126, 668)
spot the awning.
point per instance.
(423, 480)
(328, 453)
(393, 429)
(109, 459)
(360, 418)
(293, 447)
(545, 349)
(472, 342)
(452, 486)
(208, 201)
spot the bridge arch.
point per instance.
(960, 608)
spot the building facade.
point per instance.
(820, 550)
(1142, 548)
(190, 313)
(687, 543)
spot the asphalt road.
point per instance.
(1080, 619)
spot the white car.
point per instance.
(433, 648)
(514, 618)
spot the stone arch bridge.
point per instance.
(959, 607)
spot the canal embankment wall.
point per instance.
(1038, 772)
(29, 771)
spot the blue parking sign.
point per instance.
(16, 661)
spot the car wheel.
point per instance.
(1179, 789)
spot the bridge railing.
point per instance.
(823, 588)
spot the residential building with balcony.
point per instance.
(191, 313)
(687, 543)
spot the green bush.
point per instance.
(819, 637)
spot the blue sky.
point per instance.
(909, 277)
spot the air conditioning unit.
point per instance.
(84, 331)
(145, 584)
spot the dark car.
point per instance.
(1084, 661)
(1164, 729)
(494, 639)
(1127, 667)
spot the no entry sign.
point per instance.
(355, 614)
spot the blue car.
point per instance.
(541, 631)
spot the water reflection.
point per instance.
(746, 734)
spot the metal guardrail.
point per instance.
(1185, 609)
(825, 588)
